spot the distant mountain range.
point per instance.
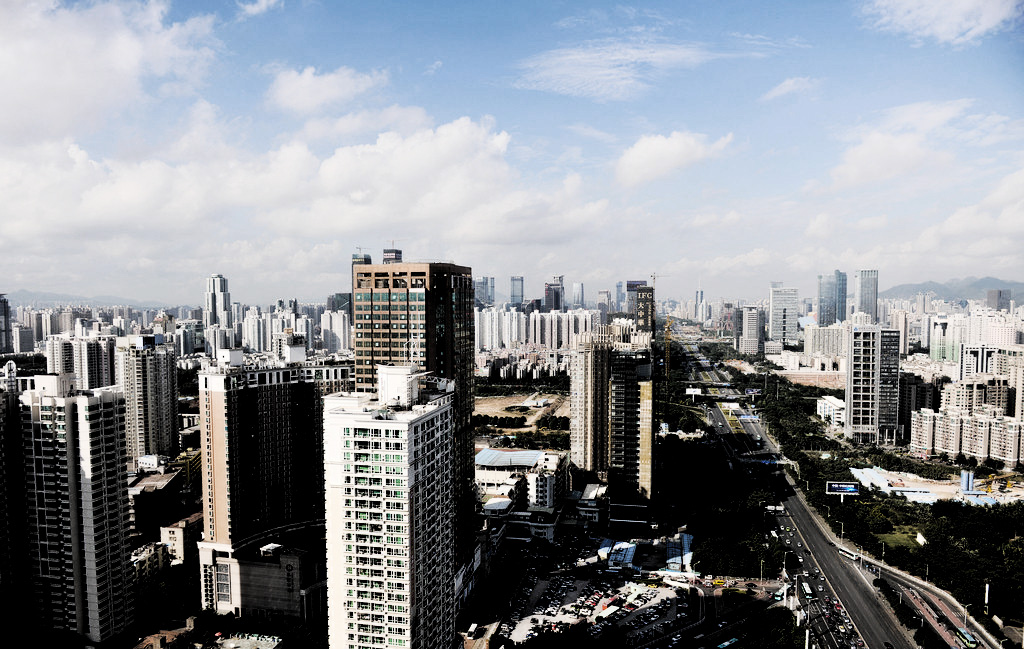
(968, 288)
(40, 299)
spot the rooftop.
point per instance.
(495, 457)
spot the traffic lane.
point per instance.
(871, 618)
(911, 597)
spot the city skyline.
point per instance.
(154, 144)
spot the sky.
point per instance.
(712, 143)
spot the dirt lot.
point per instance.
(495, 406)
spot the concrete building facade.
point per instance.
(390, 461)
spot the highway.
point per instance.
(845, 581)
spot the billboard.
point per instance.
(842, 488)
(754, 391)
(693, 391)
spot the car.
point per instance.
(751, 585)
(821, 588)
(888, 645)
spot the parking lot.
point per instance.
(645, 612)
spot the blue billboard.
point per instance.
(842, 488)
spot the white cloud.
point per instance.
(656, 156)
(872, 222)
(589, 132)
(821, 226)
(607, 70)
(987, 235)
(433, 68)
(66, 69)
(883, 156)
(263, 214)
(789, 86)
(307, 92)
(403, 119)
(247, 10)
(955, 22)
(906, 141)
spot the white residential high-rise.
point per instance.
(389, 462)
(146, 369)
(77, 507)
(866, 293)
(91, 359)
(217, 307)
(783, 313)
(335, 330)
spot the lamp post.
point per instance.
(762, 574)
(842, 532)
(829, 511)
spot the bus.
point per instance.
(850, 555)
(728, 642)
(779, 594)
(807, 591)
(966, 638)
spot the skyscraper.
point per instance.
(146, 369)
(996, 298)
(841, 310)
(422, 313)
(217, 307)
(262, 453)
(866, 293)
(554, 293)
(483, 291)
(783, 314)
(578, 300)
(644, 313)
(357, 260)
(620, 297)
(748, 324)
(872, 384)
(610, 401)
(390, 542)
(6, 339)
(77, 507)
(392, 256)
(826, 308)
(631, 427)
(516, 291)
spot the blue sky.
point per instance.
(144, 145)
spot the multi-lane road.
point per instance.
(847, 609)
(862, 613)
